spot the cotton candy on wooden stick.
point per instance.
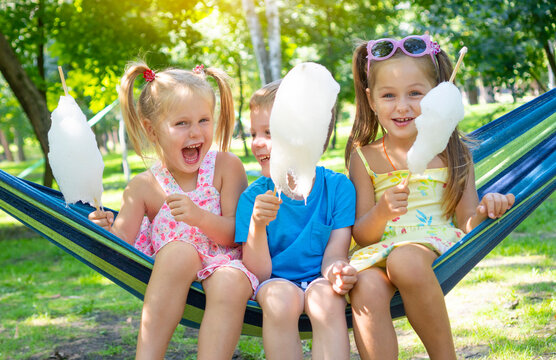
(441, 111)
(299, 124)
(74, 157)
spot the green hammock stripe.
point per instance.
(101, 239)
(524, 202)
(124, 277)
(504, 157)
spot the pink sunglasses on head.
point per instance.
(412, 45)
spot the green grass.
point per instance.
(52, 304)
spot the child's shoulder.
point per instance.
(226, 161)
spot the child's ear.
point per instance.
(370, 99)
(149, 129)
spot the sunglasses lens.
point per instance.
(382, 49)
(415, 46)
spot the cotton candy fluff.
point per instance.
(74, 157)
(299, 123)
(441, 111)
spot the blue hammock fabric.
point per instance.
(515, 153)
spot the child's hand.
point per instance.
(104, 219)
(265, 208)
(393, 202)
(184, 209)
(344, 277)
(494, 205)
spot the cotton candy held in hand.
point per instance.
(74, 157)
(299, 124)
(441, 111)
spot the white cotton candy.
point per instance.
(299, 123)
(441, 111)
(74, 157)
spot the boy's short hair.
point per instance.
(265, 96)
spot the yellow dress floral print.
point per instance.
(423, 223)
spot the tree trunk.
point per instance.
(257, 38)
(472, 91)
(30, 98)
(274, 46)
(20, 144)
(241, 100)
(6, 146)
(550, 56)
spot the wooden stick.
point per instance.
(63, 80)
(462, 53)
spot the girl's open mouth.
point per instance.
(191, 154)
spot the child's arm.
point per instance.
(470, 212)
(132, 211)
(335, 267)
(220, 229)
(256, 255)
(371, 217)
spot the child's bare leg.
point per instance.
(372, 322)
(282, 303)
(410, 269)
(327, 311)
(175, 268)
(227, 291)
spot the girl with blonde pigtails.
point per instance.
(182, 210)
(404, 223)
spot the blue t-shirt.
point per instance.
(298, 236)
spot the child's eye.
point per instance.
(415, 93)
(267, 132)
(204, 120)
(253, 134)
(388, 95)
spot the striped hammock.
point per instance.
(515, 153)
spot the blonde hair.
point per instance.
(365, 126)
(159, 95)
(264, 97)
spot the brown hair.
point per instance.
(160, 94)
(365, 126)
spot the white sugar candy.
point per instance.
(299, 124)
(441, 111)
(74, 157)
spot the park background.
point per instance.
(54, 307)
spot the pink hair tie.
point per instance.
(199, 69)
(435, 47)
(148, 75)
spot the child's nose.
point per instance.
(194, 131)
(403, 106)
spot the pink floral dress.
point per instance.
(164, 229)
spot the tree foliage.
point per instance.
(508, 41)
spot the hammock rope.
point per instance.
(516, 153)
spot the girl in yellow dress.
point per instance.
(402, 226)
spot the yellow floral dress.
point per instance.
(423, 223)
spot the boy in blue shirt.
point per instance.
(298, 251)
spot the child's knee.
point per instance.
(228, 285)
(410, 265)
(373, 288)
(322, 299)
(281, 301)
